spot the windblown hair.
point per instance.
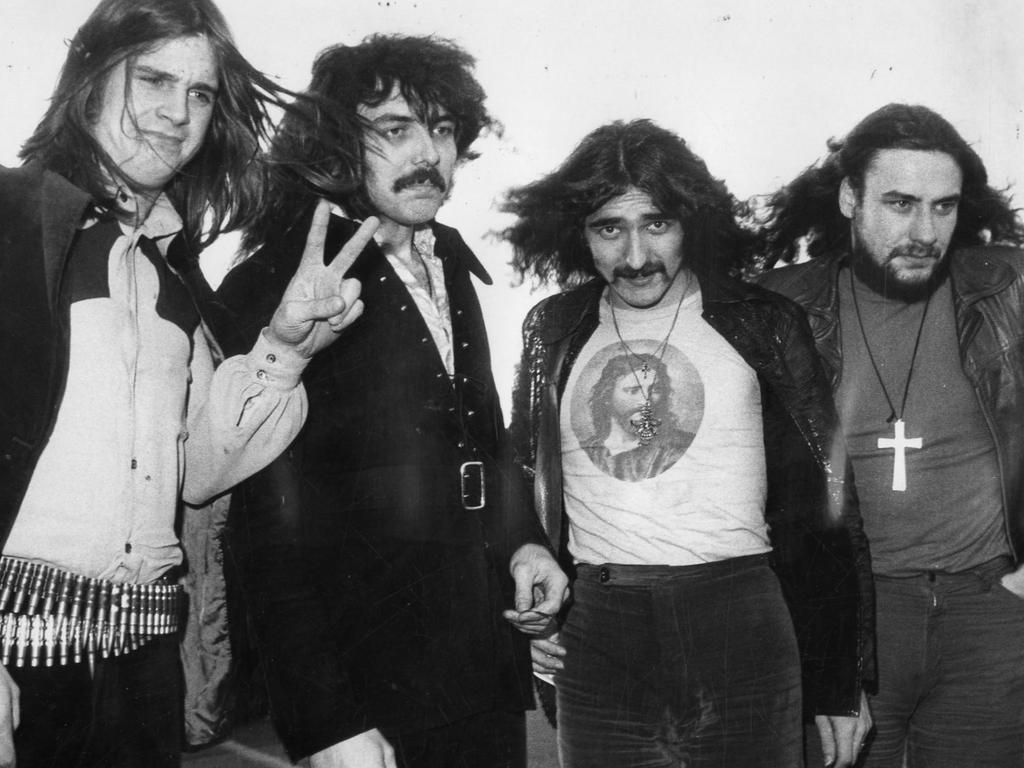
(323, 157)
(221, 187)
(548, 238)
(808, 207)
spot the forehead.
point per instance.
(913, 172)
(190, 60)
(633, 204)
(397, 106)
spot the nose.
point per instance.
(426, 151)
(174, 106)
(923, 227)
(636, 253)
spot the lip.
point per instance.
(163, 138)
(422, 190)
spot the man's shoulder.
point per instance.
(793, 279)
(20, 185)
(989, 259)
(560, 312)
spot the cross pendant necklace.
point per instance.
(899, 442)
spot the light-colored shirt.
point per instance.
(145, 420)
(696, 492)
(431, 299)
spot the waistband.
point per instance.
(645, 575)
(49, 615)
(987, 572)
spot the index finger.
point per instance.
(317, 235)
(355, 245)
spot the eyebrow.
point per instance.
(646, 218)
(155, 72)
(894, 194)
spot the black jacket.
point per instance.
(988, 302)
(819, 550)
(375, 597)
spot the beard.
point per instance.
(882, 279)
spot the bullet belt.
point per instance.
(49, 616)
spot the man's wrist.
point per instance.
(275, 363)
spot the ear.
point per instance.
(847, 198)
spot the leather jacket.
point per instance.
(819, 550)
(988, 303)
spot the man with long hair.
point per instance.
(376, 555)
(915, 293)
(112, 413)
(679, 647)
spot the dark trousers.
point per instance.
(129, 715)
(950, 670)
(487, 740)
(693, 666)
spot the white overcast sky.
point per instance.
(755, 87)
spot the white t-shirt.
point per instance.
(695, 492)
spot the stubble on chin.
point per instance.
(884, 279)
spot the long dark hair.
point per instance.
(808, 207)
(548, 238)
(322, 157)
(221, 187)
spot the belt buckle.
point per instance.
(472, 485)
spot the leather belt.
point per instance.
(409, 486)
(48, 615)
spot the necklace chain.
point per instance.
(646, 427)
(893, 415)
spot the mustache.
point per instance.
(421, 176)
(645, 270)
(915, 251)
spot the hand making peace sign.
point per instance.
(320, 301)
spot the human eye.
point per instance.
(658, 226)
(607, 231)
(445, 129)
(202, 96)
(151, 79)
(900, 204)
(946, 207)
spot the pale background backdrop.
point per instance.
(755, 87)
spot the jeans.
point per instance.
(128, 715)
(691, 666)
(950, 670)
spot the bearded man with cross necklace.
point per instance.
(914, 292)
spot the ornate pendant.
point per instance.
(645, 370)
(646, 427)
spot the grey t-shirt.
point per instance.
(950, 515)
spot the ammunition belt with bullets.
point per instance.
(49, 616)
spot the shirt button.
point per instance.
(461, 444)
(128, 547)
(464, 345)
(135, 464)
(423, 340)
(383, 278)
(403, 308)
(261, 374)
(271, 358)
(471, 413)
(458, 313)
(604, 575)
